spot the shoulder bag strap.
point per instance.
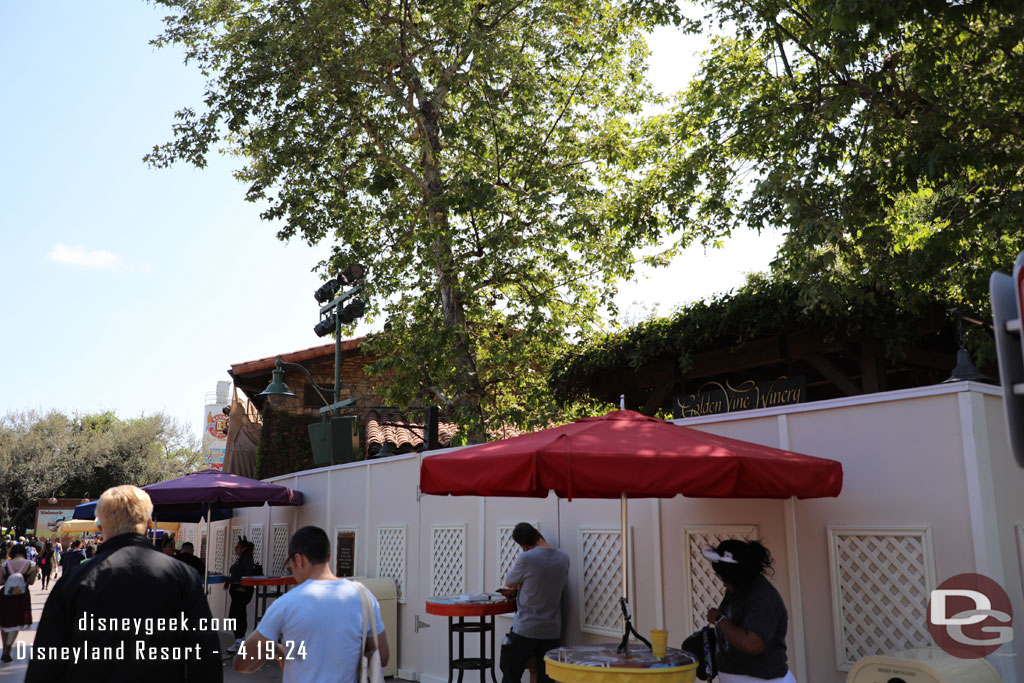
(363, 661)
(373, 618)
(369, 617)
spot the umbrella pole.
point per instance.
(206, 555)
(625, 549)
(627, 616)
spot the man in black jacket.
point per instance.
(188, 556)
(73, 557)
(130, 613)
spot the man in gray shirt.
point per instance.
(536, 580)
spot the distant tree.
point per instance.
(476, 156)
(37, 454)
(43, 455)
(887, 137)
(138, 451)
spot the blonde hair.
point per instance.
(123, 510)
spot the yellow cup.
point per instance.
(659, 642)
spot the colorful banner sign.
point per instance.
(215, 434)
(49, 519)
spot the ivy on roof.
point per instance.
(762, 307)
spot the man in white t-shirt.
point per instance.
(315, 630)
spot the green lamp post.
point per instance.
(333, 439)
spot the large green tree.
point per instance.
(476, 155)
(52, 454)
(886, 137)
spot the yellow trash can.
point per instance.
(387, 596)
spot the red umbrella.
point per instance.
(625, 454)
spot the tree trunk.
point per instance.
(470, 396)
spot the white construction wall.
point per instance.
(930, 491)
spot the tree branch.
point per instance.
(382, 155)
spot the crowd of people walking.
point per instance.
(23, 562)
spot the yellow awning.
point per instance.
(76, 526)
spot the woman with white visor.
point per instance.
(751, 620)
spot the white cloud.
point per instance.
(78, 255)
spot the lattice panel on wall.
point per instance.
(190, 535)
(601, 580)
(881, 581)
(507, 551)
(278, 549)
(219, 552)
(236, 534)
(703, 588)
(448, 559)
(391, 556)
(256, 537)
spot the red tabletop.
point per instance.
(268, 580)
(460, 606)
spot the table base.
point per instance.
(462, 663)
(262, 595)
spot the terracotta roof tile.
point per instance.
(294, 356)
(389, 425)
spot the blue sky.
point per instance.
(133, 289)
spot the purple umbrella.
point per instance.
(218, 490)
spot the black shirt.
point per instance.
(73, 558)
(243, 566)
(192, 561)
(758, 608)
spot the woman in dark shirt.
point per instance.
(241, 595)
(46, 563)
(751, 620)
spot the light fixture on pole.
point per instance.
(965, 370)
(340, 434)
(277, 387)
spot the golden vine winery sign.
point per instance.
(723, 397)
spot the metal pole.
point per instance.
(625, 547)
(337, 358)
(206, 553)
(337, 372)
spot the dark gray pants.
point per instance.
(516, 651)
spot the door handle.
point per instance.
(418, 624)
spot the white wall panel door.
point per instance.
(447, 564)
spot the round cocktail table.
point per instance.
(263, 584)
(457, 607)
(602, 664)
